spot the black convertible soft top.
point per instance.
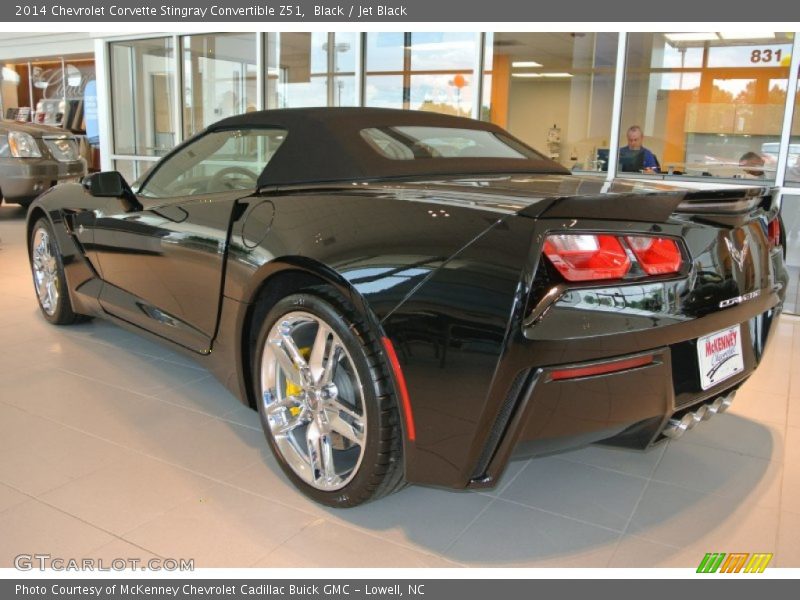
(325, 145)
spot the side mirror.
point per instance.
(106, 184)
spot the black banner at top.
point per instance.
(389, 11)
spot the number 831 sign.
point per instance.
(766, 55)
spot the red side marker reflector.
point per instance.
(774, 232)
(601, 369)
(401, 387)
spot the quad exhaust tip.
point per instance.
(677, 427)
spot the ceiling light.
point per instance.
(691, 37)
(441, 46)
(747, 35)
(525, 63)
(540, 75)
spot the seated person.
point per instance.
(749, 160)
(793, 172)
(635, 158)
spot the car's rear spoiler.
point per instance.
(655, 206)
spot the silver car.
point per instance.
(33, 158)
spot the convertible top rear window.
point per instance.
(412, 142)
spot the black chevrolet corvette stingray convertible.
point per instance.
(408, 297)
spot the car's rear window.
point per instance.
(414, 142)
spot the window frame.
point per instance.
(621, 79)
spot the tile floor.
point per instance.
(112, 446)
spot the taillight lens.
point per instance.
(774, 232)
(587, 257)
(657, 256)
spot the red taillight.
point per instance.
(585, 257)
(657, 256)
(774, 232)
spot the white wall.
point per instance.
(534, 107)
(579, 106)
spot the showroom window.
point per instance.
(133, 169)
(555, 92)
(60, 91)
(704, 104)
(790, 212)
(430, 71)
(49, 91)
(143, 96)
(219, 78)
(311, 69)
(793, 156)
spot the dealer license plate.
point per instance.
(719, 356)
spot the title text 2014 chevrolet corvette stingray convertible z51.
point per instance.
(408, 297)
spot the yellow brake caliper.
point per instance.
(292, 389)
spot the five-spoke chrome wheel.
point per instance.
(45, 271)
(313, 400)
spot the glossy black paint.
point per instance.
(451, 272)
(163, 266)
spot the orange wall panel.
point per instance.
(501, 80)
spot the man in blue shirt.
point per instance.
(635, 158)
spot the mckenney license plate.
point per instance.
(719, 356)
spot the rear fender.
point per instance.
(377, 250)
(239, 321)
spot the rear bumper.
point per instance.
(629, 408)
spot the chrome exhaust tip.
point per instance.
(673, 430)
(725, 402)
(677, 427)
(703, 413)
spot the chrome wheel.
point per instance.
(313, 401)
(45, 271)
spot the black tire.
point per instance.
(60, 311)
(380, 469)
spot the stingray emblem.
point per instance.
(737, 255)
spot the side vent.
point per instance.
(498, 431)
